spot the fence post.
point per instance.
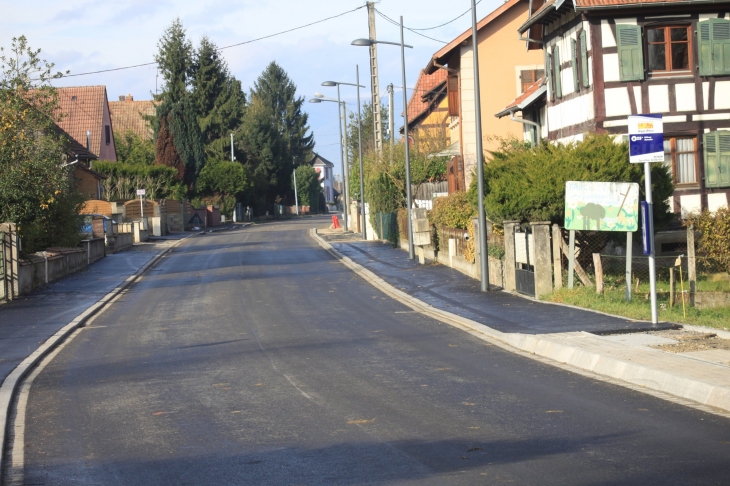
(691, 264)
(672, 287)
(11, 254)
(509, 255)
(599, 272)
(543, 264)
(557, 264)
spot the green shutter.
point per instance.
(574, 63)
(704, 47)
(630, 52)
(714, 47)
(558, 78)
(720, 46)
(584, 58)
(551, 77)
(717, 159)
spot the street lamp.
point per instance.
(319, 99)
(368, 43)
(359, 144)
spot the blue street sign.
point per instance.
(646, 139)
(645, 228)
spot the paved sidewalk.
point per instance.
(564, 334)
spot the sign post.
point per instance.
(141, 193)
(646, 145)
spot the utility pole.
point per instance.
(391, 117)
(375, 85)
(296, 196)
(233, 157)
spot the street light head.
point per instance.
(329, 83)
(315, 100)
(363, 42)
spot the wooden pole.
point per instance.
(599, 272)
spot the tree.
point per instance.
(174, 61)
(218, 98)
(179, 141)
(222, 183)
(528, 184)
(35, 191)
(368, 139)
(309, 188)
(133, 149)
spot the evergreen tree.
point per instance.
(174, 61)
(278, 94)
(179, 141)
(218, 97)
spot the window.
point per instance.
(714, 47)
(630, 52)
(680, 156)
(669, 48)
(717, 158)
(107, 134)
(529, 77)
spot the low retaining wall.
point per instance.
(119, 242)
(95, 249)
(57, 263)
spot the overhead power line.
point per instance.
(446, 23)
(224, 47)
(411, 30)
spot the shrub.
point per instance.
(715, 229)
(123, 180)
(453, 211)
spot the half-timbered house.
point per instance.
(608, 59)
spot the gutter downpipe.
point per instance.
(527, 122)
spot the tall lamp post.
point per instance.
(480, 156)
(368, 43)
(319, 99)
(359, 135)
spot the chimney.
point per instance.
(88, 140)
(129, 97)
(121, 97)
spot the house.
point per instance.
(324, 168)
(85, 117)
(506, 68)
(88, 181)
(130, 116)
(608, 59)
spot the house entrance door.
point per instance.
(524, 261)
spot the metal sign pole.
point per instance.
(296, 196)
(629, 251)
(650, 236)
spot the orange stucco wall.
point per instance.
(499, 54)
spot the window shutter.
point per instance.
(574, 62)
(452, 88)
(704, 47)
(717, 159)
(584, 58)
(720, 46)
(558, 80)
(550, 76)
(630, 52)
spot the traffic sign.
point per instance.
(646, 139)
(141, 192)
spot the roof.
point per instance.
(531, 94)
(97, 175)
(83, 109)
(552, 9)
(439, 57)
(74, 149)
(128, 116)
(319, 160)
(421, 99)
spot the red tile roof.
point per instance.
(426, 83)
(607, 3)
(529, 91)
(83, 109)
(128, 116)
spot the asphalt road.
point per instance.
(254, 357)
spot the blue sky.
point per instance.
(89, 35)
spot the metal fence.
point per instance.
(460, 237)
(386, 226)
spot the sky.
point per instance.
(88, 35)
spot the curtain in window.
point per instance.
(685, 160)
(668, 154)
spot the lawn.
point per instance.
(613, 302)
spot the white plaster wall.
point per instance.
(571, 139)
(685, 97)
(659, 99)
(706, 95)
(607, 37)
(617, 102)
(468, 119)
(611, 68)
(571, 112)
(722, 95)
(638, 99)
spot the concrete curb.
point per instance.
(617, 369)
(14, 379)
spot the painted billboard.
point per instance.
(601, 206)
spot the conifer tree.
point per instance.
(174, 61)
